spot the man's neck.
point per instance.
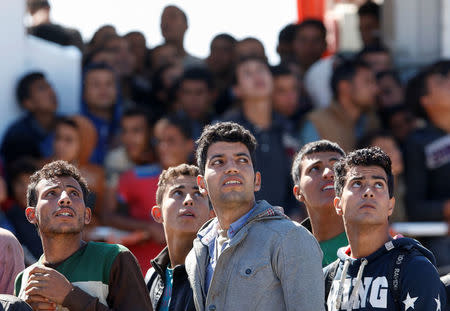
(58, 248)
(179, 246)
(325, 223)
(146, 157)
(258, 112)
(228, 214)
(365, 241)
(179, 45)
(303, 68)
(351, 110)
(45, 120)
(105, 114)
(441, 120)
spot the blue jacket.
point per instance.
(402, 261)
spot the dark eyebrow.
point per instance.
(51, 188)
(67, 186)
(73, 187)
(379, 177)
(240, 154)
(357, 178)
(333, 159)
(373, 177)
(215, 156)
(177, 187)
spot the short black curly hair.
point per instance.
(23, 89)
(372, 156)
(226, 132)
(53, 170)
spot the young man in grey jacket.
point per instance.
(251, 256)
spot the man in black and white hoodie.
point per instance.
(376, 271)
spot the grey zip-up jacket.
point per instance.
(272, 263)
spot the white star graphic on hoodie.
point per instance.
(409, 302)
(438, 303)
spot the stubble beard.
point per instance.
(233, 199)
(52, 230)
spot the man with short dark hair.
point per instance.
(377, 271)
(42, 27)
(351, 115)
(71, 273)
(31, 135)
(427, 156)
(101, 105)
(377, 57)
(221, 62)
(174, 143)
(309, 43)
(182, 209)
(288, 99)
(251, 256)
(195, 95)
(249, 47)
(19, 173)
(313, 175)
(220, 59)
(369, 23)
(174, 24)
(136, 147)
(284, 46)
(391, 91)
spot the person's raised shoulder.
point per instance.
(105, 252)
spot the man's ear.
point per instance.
(297, 193)
(236, 91)
(87, 216)
(202, 185)
(426, 102)
(257, 181)
(30, 213)
(344, 88)
(27, 104)
(337, 206)
(157, 214)
(391, 206)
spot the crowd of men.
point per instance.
(226, 183)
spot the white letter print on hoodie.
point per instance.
(364, 284)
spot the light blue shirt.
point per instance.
(209, 240)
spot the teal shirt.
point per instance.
(165, 302)
(330, 247)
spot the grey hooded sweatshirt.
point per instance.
(271, 263)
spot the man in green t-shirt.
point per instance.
(312, 172)
(72, 274)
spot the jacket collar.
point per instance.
(161, 262)
(261, 210)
